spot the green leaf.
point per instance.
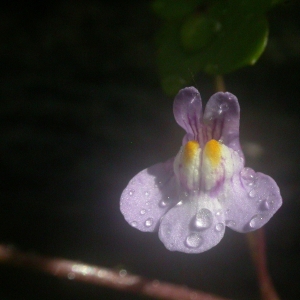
(197, 32)
(253, 6)
(174, 9)
(240, 43)
(216, 37)
(176, 68)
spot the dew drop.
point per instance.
(219, 227)
(147, 203)
(203, 219)
(230, 223)
(224, 106)
(257, 221)
(147, 193)
(252, 193)
(71, 275)
(179, 203)
(194, 240)
(265, 205)
(122, 273)
(143, 211)
(134, 224)
(149, 222)
(131, 192)
(249, 175)
(218, 213)
(163, 203)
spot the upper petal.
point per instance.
(222, 119)
(187, 110)
(254, 199)
(149, 195)
(193, 225)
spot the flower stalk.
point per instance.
(97, 275)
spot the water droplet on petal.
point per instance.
(219, 227)
(163, 203)
(131, 192)
(143, 211)
(203, 219)
(218, 213)
(230, 223)
(249, 175)
(194, 240)
(224, 106)
(147, 193)
(147, 203)
(149, 222)
(265, 205)
(257, 221)
(179, 203)
(133, 224)
(252, 193)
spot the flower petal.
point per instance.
(149, 195)
(254, 199)
(222, 119)
(187, 110)
(191, 228)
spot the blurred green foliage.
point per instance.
(214, 36)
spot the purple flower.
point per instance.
(191, 198)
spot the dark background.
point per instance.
(82, 112)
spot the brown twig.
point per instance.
(257, 244)
(118, 280)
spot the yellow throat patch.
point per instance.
(190, 151)
(212, 151)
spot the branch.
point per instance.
(96, 275)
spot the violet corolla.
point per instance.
(191, 198)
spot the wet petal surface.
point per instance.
(187, 110)
(148, 196)
(255, 197)
(222, 119)
(193, 197)
(191, 228)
